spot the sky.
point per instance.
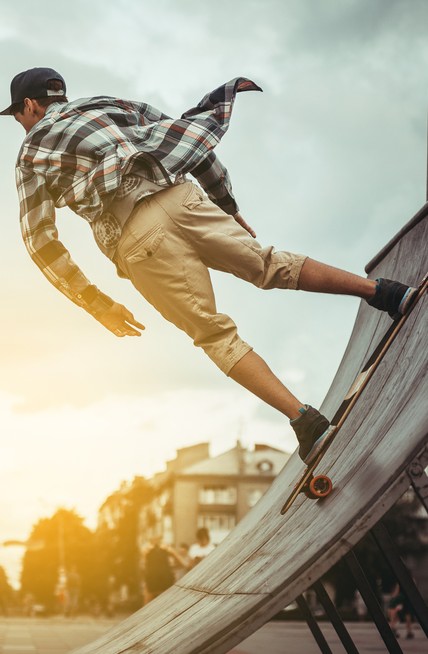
(329, 161)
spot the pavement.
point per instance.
(59, 635)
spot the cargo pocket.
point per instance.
(193, 198)
(145, 247)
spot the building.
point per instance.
(197, 490)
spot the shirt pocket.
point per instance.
(144, 247)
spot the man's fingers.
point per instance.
(122, 328)
(120, 321)
(125, 330)
(239, 219)
(132, 321)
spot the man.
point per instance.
(400, 609)
(202, 547)
(121, 166)
(158, 572)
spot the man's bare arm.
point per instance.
(239, 219)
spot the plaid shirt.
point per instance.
(77, 155)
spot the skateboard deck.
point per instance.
(319, 486)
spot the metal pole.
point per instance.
(372, 604)
(334, 618)
(313, 625)
(389, 550)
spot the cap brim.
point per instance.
(6, 112)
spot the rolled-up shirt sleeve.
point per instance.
(40, 235)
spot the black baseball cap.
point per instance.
(33, 84)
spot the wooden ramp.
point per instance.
(269, 559)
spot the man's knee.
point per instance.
(222, 344)
(278, 270)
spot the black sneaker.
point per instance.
(393, 297)
(311, 429)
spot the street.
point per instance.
(59, 635)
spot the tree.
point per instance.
(64, 543)
(117, 537)
(6, 592)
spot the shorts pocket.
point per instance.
(193, 197)
(144, 247)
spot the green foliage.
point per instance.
(6, 592)
(105, 560)
(118, 539)
(5, 587)
(61, 541)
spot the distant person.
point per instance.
(183, 562)
(202, 547)
(121, 166)
(399, 609)
(158, 567)
(29, 605)
(360, 606)
(73, 592)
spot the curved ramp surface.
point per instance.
(269, 559)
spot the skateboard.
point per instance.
(320, 486)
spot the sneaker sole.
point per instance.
(318, 446)
(406, 302)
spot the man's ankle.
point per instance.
(370, 289)
(298, 413)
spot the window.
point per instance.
(265, 466)
(217, 495)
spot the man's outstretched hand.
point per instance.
(239, 219)
(120, 321)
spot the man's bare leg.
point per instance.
(254, 374)
(309, 425)
(320, 278)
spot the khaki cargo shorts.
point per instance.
(167, 246)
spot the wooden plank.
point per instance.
(270, 559)
(373, 263)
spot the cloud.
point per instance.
(343, 28)
(329, 161)
(167, 52)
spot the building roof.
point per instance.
(263, 460)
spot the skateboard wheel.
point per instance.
(320, 486)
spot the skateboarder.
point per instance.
(122, 166)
